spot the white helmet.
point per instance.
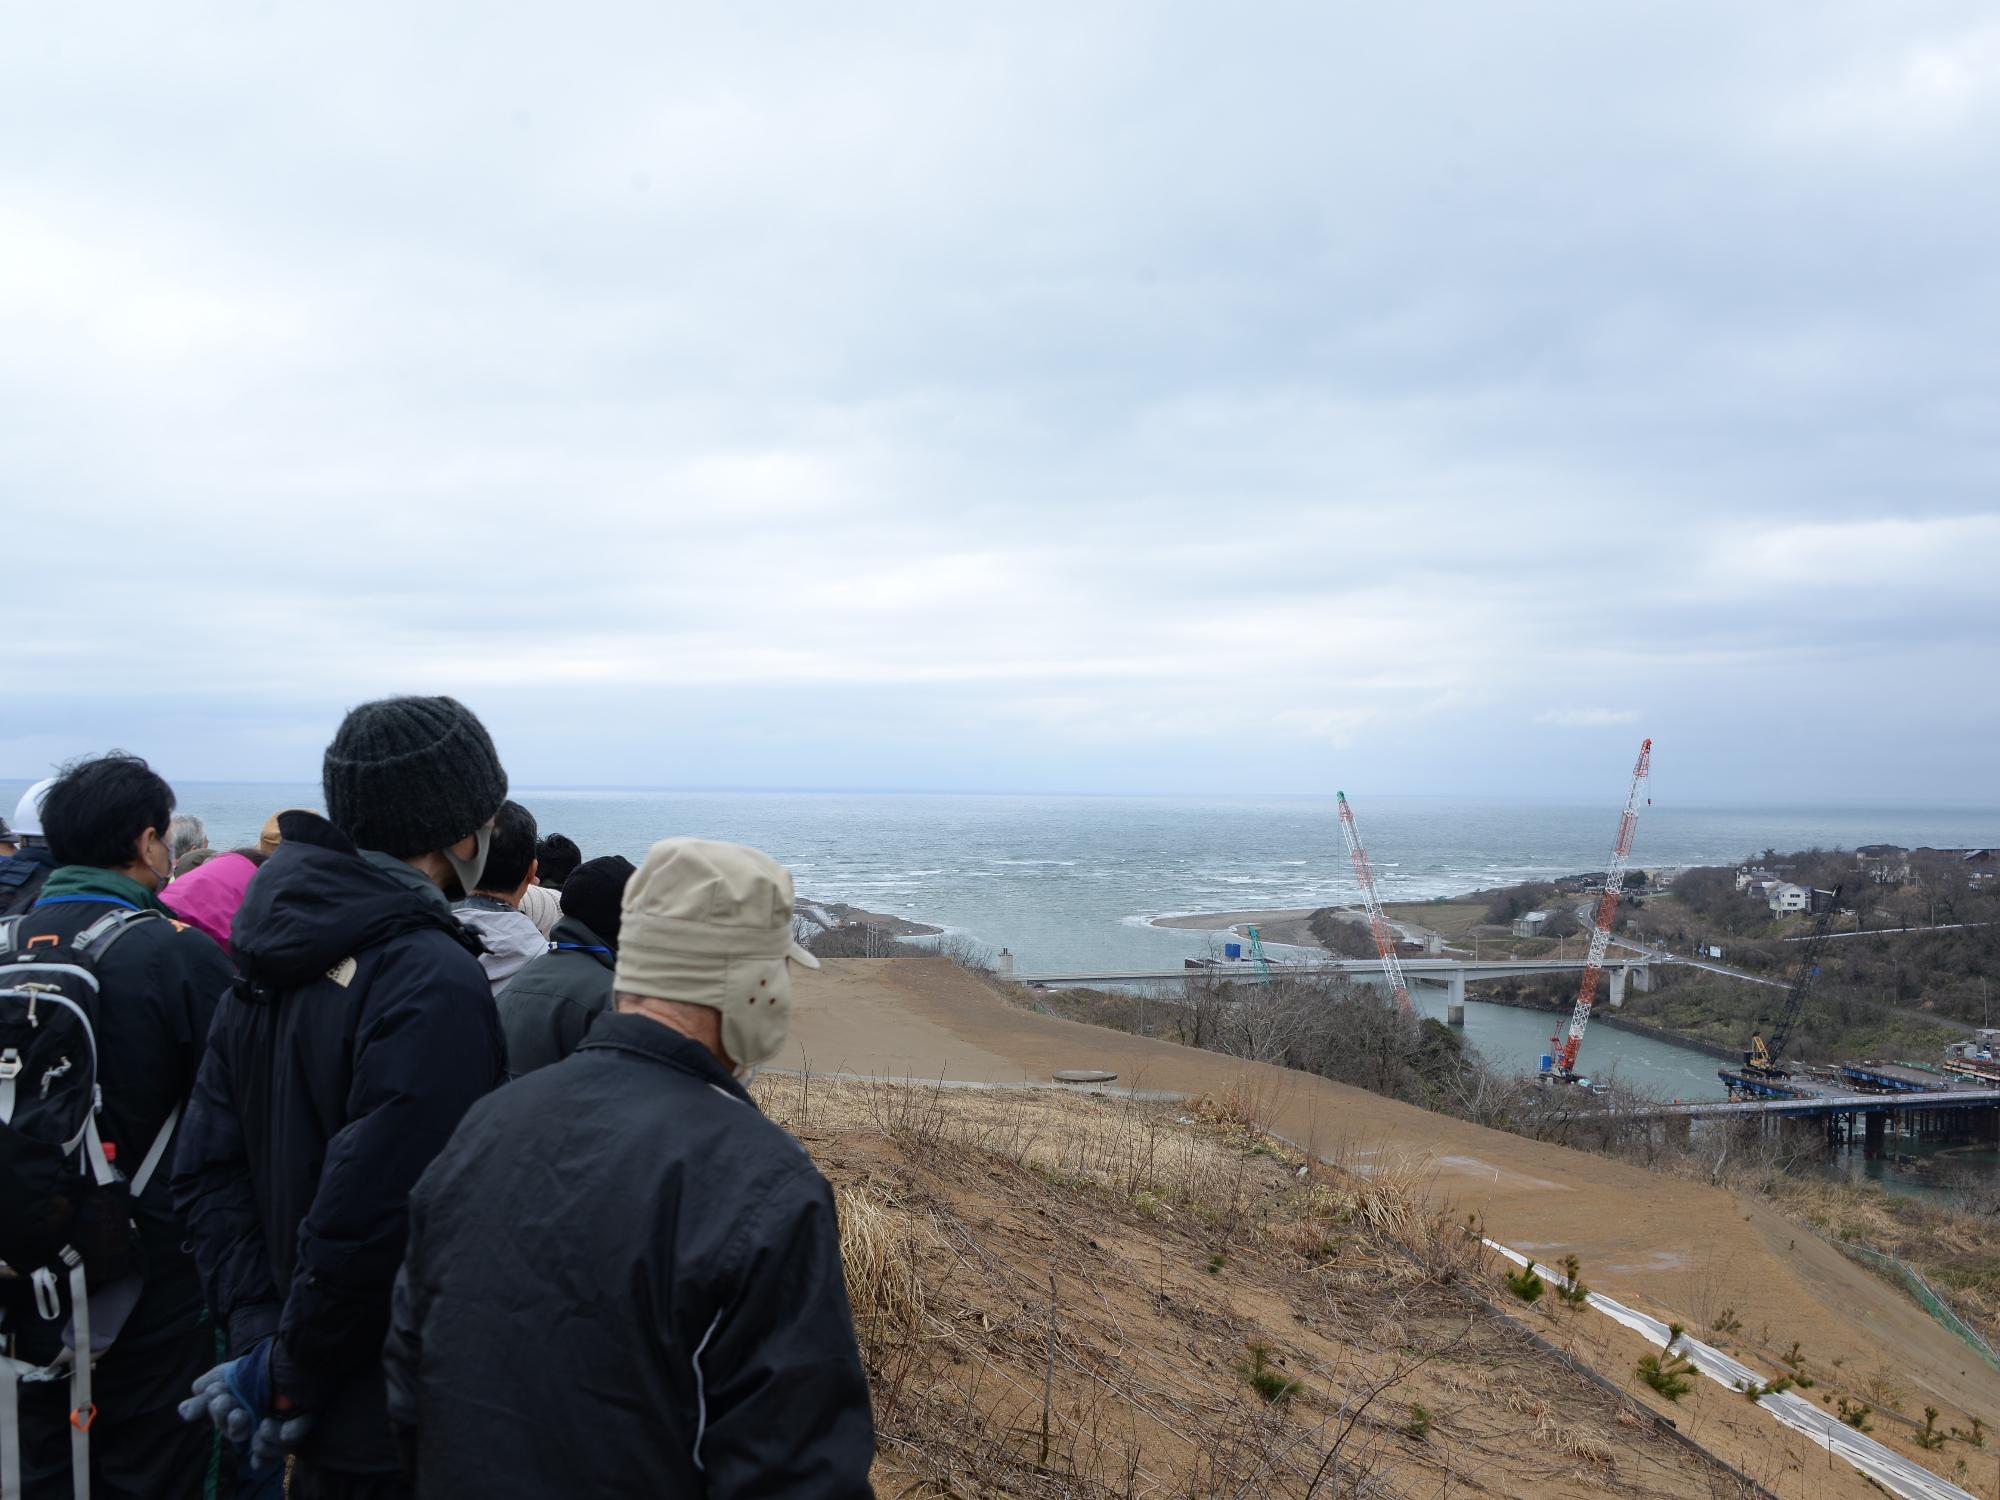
(28, 811)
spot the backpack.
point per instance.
(68, 1228)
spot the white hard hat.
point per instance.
(28, 811)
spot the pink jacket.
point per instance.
(209, 894)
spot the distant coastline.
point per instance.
(1287, 925)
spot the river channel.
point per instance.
(1515, 1039)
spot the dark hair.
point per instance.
(512, 849)
(560, 857)
(97, 810)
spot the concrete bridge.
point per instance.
(1451, 973)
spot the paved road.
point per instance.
(1667, 957)
(1889, 931)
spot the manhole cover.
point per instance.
(1083, 1075)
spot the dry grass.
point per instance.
(1060, 1294)
(1955, 1250)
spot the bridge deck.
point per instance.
(1822, 1103)
(1441, 969)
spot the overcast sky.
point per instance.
(1413, 398)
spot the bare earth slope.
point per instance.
(1680, 1250)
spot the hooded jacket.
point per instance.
(509, 936)
(624, 1280)
(549, 1006)
(359, 1033)
(209, 894)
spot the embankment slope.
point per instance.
(1678, 1249)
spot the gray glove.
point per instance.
(214, 1401)
(277, 1436)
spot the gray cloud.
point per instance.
(1137, 399)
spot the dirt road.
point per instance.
(1682, 1251)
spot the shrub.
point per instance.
(1572, 1290)
(1266, 1380)
(1419, 1426)
(1667, 1372)
(1525, 1284)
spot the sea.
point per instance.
(1073, 882)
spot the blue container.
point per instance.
(1232, 950)
(1548, 1063)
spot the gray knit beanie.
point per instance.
(405, 776)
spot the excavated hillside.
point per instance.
(1078, 1295)
(1153, 1346)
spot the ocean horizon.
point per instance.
(1067, 881)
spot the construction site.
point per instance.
(1095, 1262)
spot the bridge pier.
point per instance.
(1876, 1126)
(1642, 976)
(1617, 992)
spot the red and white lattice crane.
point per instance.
(1564, 1063)
(1385, 940)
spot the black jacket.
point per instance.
(22, 874)
(159, 983)
(547, 1007)
(624, 1280)
(360, 1033)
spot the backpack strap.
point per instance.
(96, 939)
(156, 1153)
(75, 1362)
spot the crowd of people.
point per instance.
(403, 1152)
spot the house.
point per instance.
(1784, 896)
(1981, 865)
(1530, 924)
(1819, 900)
(1885, 864)
(1755, 878)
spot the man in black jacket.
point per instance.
(360, 1033)
(547, 1006)
(24, 870)
(622, 1279)
(105, 822)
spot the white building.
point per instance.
(1531, 924)
(1784, 896)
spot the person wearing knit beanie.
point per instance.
(406, 776)
(348, 928)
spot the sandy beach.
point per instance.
(1273, 926)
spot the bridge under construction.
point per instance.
(1861, 1102)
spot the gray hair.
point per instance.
(185, 834)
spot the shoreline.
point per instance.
(846, 915)
(1286, 925)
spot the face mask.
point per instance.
(468, 871)
(157, 875)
